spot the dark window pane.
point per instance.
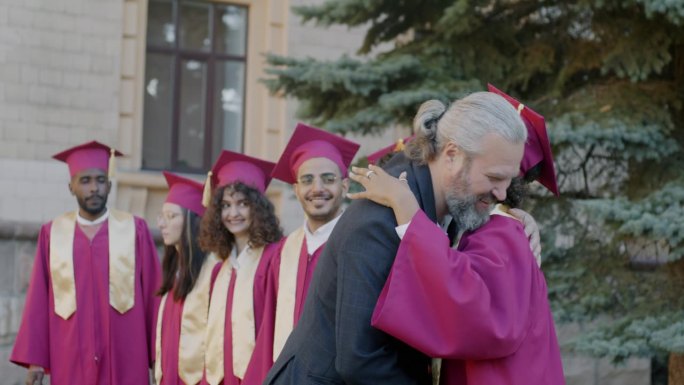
(229, 96)
(157, 120)
(231, 30)
(194, 26)
(194, 83)
(160, 29)
(191, 115)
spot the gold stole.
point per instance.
(193, 328)
(121, 231)
(242, 314)
(287, 289)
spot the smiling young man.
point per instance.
(91, 306)
(315, 162)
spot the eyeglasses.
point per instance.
(327, 178)
(167, 217)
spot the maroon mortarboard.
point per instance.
(537, 147)
(308, 143)
(89, 155)
(233, 167)
(184, 192)
(392, 148)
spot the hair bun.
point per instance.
(427, 118)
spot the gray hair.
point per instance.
(464, 123)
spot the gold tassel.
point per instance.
(520, 108)
(399, 146)
(112, 164)
(206, 194)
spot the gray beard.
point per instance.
(464, 213)
(462, 205)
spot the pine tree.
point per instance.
(608, 75)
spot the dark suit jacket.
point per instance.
(334, 343)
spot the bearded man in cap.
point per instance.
(91, 307)
(481, 308)
(480, 136)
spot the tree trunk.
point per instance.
(675, 367)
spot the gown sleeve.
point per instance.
(151, 281)
(470, 303)
(32, 345)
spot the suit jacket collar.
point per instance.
(419, 180)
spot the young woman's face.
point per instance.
(236, 213)
(170, 222)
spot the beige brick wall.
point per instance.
(59, 63)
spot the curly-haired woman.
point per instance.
(241, 228)
(182, 319)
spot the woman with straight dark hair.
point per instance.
(186, 271)
(241, 228)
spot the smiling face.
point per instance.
(236, 213)
(320, 189)
(473, 184)
(91, 189)
(170, 222)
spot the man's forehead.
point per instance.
(90, 172)
(499, 155)
(317, 166)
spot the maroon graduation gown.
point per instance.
(482, 307)
(96, 344)
(170, 335)
(259, 293)
(262, 358)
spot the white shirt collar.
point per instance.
(85, 222)
(446, 222)
(236, 259)
(320, 236)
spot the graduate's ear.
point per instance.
(70, 186)
(345, 186)
(452, 154)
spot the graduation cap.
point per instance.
(89, 155)
(391, 149)
(308, 143)
(184, 192)
(233, 167)
(537, 147)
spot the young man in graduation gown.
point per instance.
(315, 162)
(482, 307)
(334, 342)
(91, 307)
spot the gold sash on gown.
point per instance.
(193, 328)
(121, 228)
(287, 289)
(242, 315)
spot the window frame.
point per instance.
(211, 58)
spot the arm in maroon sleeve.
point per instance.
(468, 304)
(262, 357)
(151, 280)
(32, 345)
